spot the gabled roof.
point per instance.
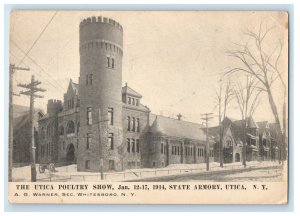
(238, 126)
(127, 90)
(177, 128)
(74, 87)
(262, 126)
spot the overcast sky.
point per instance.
(174, 59)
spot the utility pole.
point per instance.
(12, 69)
(32, 89)
(207, 118)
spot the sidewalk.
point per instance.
(70, 174)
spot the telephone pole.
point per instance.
(207, 117)
(31, 90)
(12, 69)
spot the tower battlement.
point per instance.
(100, 19)
(54, 106)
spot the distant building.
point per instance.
(22, 134)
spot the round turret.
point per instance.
(100, 87)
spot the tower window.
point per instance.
(112, 63)
(88, 140)
(87, 164)
(137, 145)
(128, 145)
(91, 79)
(133, 145)
(108, 62)
(161, 148)
(110, 116)
(89, 115)
(111, 141)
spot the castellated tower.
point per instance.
(100, 87)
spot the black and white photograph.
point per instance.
(147, 101)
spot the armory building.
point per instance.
(102, 124)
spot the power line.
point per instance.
(36, 40)
(33, 61)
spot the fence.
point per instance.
(132, 175)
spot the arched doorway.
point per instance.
(70, 157)
(237, 157)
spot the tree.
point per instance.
(247, 98)
(260, 61)
(223, 98)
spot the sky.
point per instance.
(174, 59)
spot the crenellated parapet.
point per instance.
(100, 19)
(54, 106)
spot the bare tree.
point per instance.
(247, 98)
(260, 62)
(223, 97)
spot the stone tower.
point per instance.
(100, 87)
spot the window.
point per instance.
(61, 130)
(108, 62)
(110, 116)
(133, 124)
(111, 140)
(70, 127)
(111, 164)
(128, 145)
(91, 79)
(128, 123)
(87, 164)
(153, 163)
(132, 145)
(133, 101)
(78, 127)
(87, 80)
(162, 164)
(88, 140)
(43, 133)
(172, 150)
(137, 125)
(89, 115)
(137, 145)
(112, 63)
(137, 102)
(161, 148)
(64, 145)
(129, 100)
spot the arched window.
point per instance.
(70, 127)
(61, 130)
(43, 133)
(48, 130)
(78, 127)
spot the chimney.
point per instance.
(179, 117)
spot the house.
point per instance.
(22, 133)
